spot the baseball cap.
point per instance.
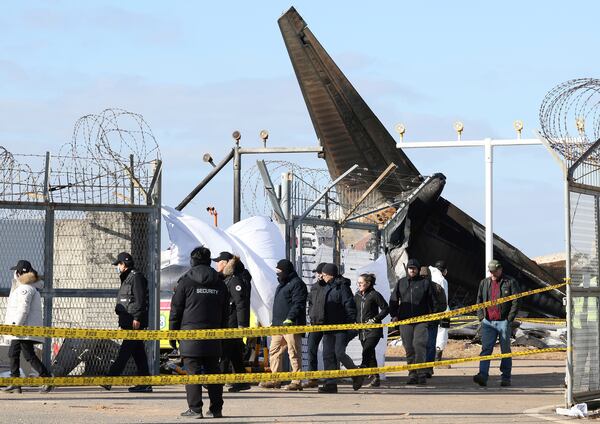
(223, 256)
(124, 257)
(413, 263)
(22, 266)
(494, 265)
(441, 265)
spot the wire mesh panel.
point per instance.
(22, 233)
(584, 240)
(586, 340)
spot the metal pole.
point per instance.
(569, 371)
(489, 203)
(205, 181)
(132, 177)
(237, 182)
(48, 264)
(154, 295)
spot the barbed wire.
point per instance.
(570, 118)
(95, 167)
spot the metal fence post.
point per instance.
(154, 269)
(48, 263)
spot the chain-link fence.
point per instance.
(70, 220)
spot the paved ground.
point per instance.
(451, 397)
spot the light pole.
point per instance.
(488, 144)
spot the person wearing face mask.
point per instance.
(371, 308)
(339, 309)
(132, 310)
(289, 308)
(496, 321)
(232, 269)
(413, 296)
(24, 307)
(316, 313)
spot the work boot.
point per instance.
(310, 384)
(328, 388)
(375, 381)
(270, 385)
(238, 387)
(12, 389)
(140, 389)
(357, 382)
(295, 387)
(412, 380)
(192, 414)
(46, 388)
(480, 379)
(214, 414)
(505, 383)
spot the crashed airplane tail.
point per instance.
(433, 228)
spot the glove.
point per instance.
(173, 344)
(371, 321)
(288, 322)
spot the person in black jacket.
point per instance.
(232, 269)
(289, 308)
(414, 296)
(371, 308)
(132, 310)
(316, 313)
(200, 301)
(339, 308)
(496, 320)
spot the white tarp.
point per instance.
(257, 241)
(442, 334)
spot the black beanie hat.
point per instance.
(285, 266)
(331, 269)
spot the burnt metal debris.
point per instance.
(433, 228)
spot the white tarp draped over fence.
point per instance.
(257, 241)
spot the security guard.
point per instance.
(132, 310)
(237, 280)
(200, 301)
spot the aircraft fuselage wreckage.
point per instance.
(432, 228)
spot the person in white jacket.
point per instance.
(24, 308)
(438, 332)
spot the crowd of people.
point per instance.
(208, 297)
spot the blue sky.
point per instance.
(198, 70)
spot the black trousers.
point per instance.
(334, 352)
(203, 365)
(128, 349)
(14, 353)
(313, 350)
(414, 340)
(233, 353)
(369, 358)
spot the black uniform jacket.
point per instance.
(132, 299)
(200, 301)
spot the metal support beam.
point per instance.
(324, 192)
(205, 181)
(237, 183)
(489, 204)
(376, 183)
(262, 150)
(268, 184)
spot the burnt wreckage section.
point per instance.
(432, 228)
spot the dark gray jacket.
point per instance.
(339, 302)
(370, 305)
(508, 286)
(413, 297)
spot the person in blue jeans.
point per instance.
(496, 321)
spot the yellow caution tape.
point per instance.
(160, 380)
(235, 333)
